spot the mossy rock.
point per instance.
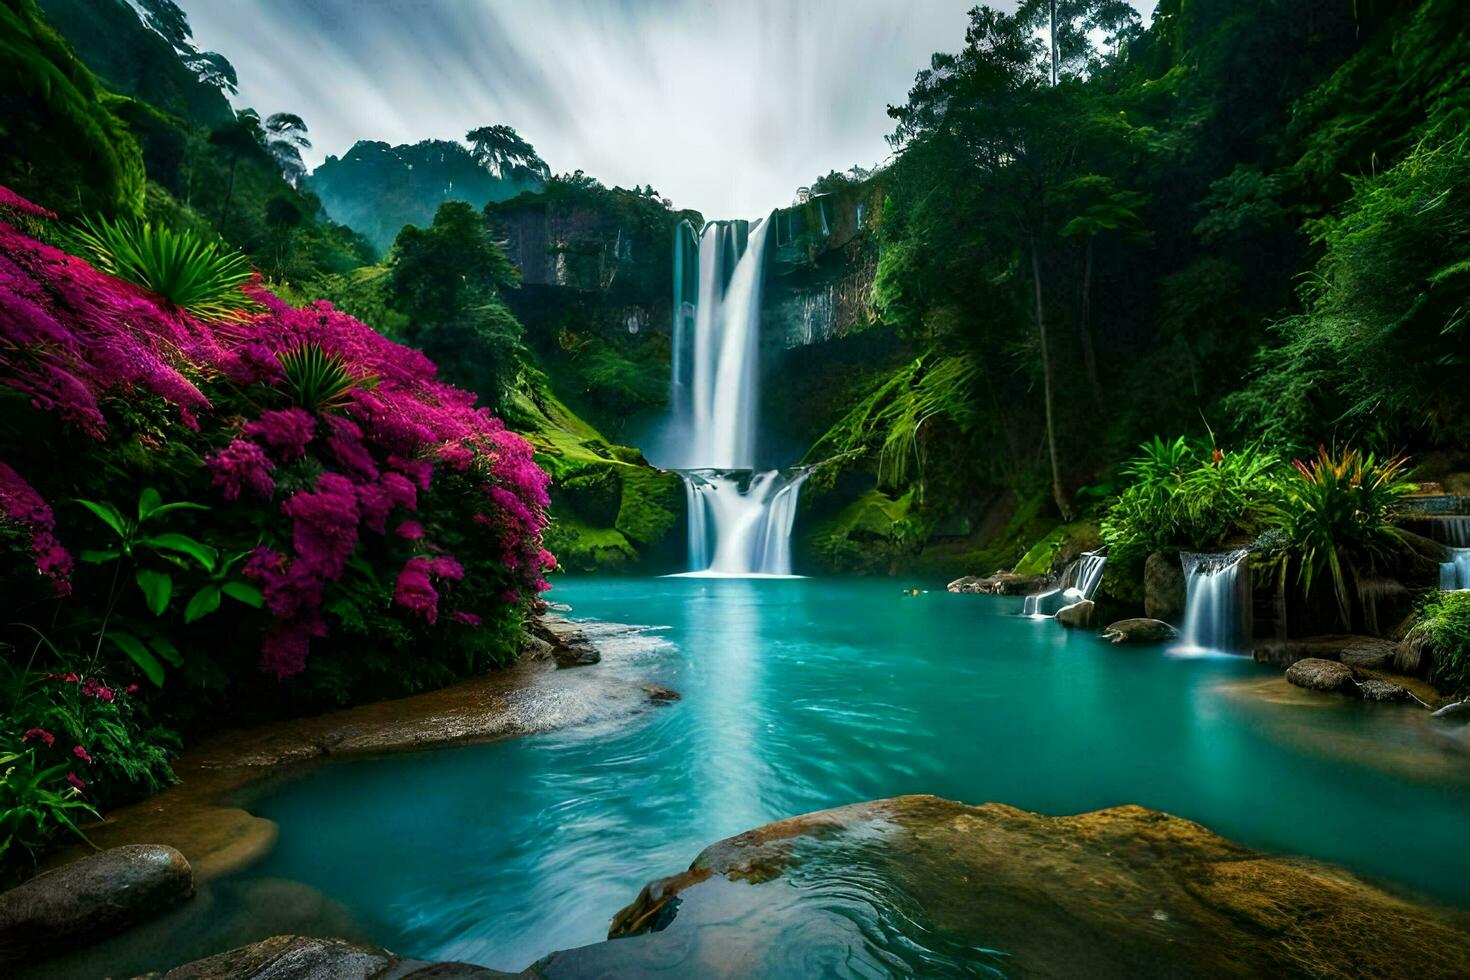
(868, 535)
(1062, 545)
(580, 547)
(652, 501)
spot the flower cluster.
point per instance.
(22, 506)
(73, 338)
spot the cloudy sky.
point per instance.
(726, 106)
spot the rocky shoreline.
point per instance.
(1121, 892)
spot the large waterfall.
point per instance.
(740, 519)
(1216, 610)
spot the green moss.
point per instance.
(580, 547)
(651, 503)
(1066, 541)
(871, 534)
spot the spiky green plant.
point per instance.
(317, 380)
(1444, 626)
(1340, 515)
(200, 276)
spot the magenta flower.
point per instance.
(81, 753)
(242, 465)
(409, 530)
(42, 734)
(467, 618)
(285, 432)
(23, 507)
(76, 781)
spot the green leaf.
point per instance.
(244, 592)
(146, 661)
(98, 557)
(109, 515)
(157, 588)
(165, 648)
(177, 505)
(205, 601)
(182, 543)
(148, 501)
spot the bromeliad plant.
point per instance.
(1339, 519)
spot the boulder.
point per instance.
(1078, 615)
(1001, 583)
(1376, 689)
(1316, 674)
(1163, 587)
(1363, 652)
(569, 645)
(943, 885)
(1456, 711)
(310, 958)
(91, 898)
(1140, 631)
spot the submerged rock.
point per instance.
(310, 958)
(1140, 631)
(1163, 587)
(1078, 615)
(1366, 652)
(941, 888)
(659, 694)
(1316, 674)
(91, 898)
(1375, 689)
(1001, 583)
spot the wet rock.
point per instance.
(534, 647)
(569, 645)
(1155, 896)
(1456, 711)
(91, 898)
(1078, 615)
(1001, 583)
(1374, 689)
(1140, 631)
(310, 958)
(659, 694)
(1364, 652)
(1316, 674)
(1163, 587)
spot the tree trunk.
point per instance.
(1084, 329)
(1059, 494)
(1055, 67)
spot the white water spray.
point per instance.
(1215, 611)
(739, 520)
(1079, 581)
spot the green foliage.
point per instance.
(317, 380)
(1444, 626)
(1340, 517)
(1195, 498)
(200, 276)
(36, 805)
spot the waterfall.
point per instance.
(1215, 615)
(740, 520)
(1455, 573)
(1079, 581)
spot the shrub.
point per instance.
(199, 276)
(1340, 518)
(1444, 626)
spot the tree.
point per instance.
(502, 151)
(284, 136)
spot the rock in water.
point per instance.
(309, 958)
(1001, 583)
(1368, 652)
(91, 898)
(1316, 674)
(1140, 631)
(569, 645)
(1163, 587)
(1076, 616)
(963, 890)
(1374, 689)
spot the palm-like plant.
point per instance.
(199, 276)
(1340, 514)
(318, 380)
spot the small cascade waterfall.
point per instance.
(1216, 613)
(1454, 532)
(740, 520)
(1079, 581)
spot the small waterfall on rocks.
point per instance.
(1216, 613)
(1455, 573)
(1079, 582)
(740, 520)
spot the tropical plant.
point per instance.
(316, 380)
(1339, 518)
(1444, 626)
(202, 277)
(36, 804)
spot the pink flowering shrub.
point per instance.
(397, 512)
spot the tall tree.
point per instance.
(502, 151)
